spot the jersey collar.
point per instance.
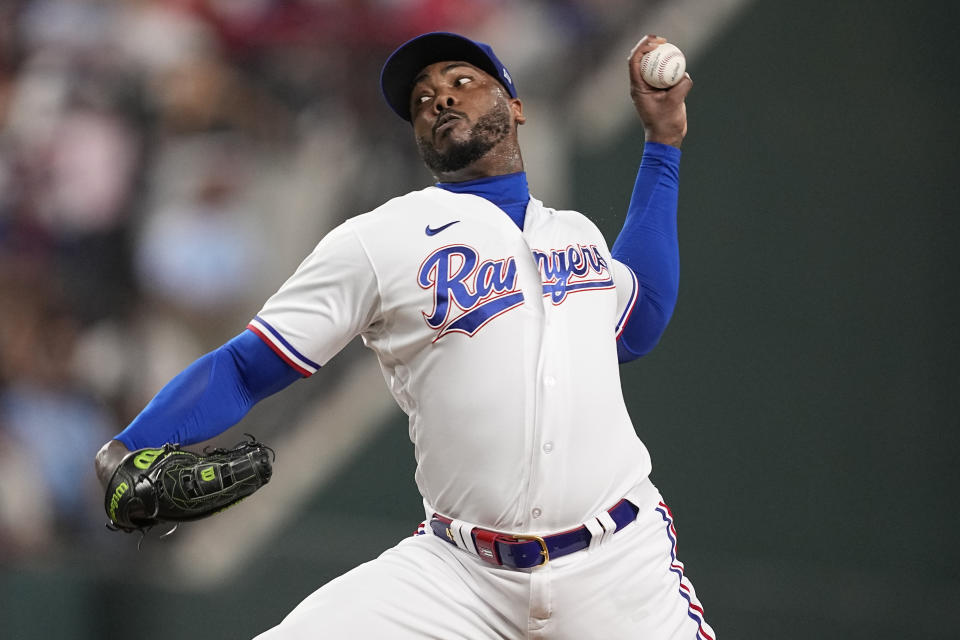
(509, 192)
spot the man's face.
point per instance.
(459, 114)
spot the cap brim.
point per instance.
(403, 65)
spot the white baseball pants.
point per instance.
(630, 587)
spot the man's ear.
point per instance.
(517, 108)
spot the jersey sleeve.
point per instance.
(209, 396)
(331, 298)
(648, 245)
(628, 292)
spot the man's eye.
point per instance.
(422, 99)
(463, 80)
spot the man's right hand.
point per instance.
(108, 459)
(663, 111)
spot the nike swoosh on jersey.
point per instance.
(433, 232)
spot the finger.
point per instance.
(680, 90)
(646, 44)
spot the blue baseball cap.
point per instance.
(403, 65)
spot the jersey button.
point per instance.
(547, 447)
(549, 381)
(536, 512)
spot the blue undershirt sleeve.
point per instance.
(211, 395)
(648, 245)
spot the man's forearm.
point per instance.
(648, 244)
(207, 398)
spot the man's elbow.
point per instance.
(637, 340)
(627, 352)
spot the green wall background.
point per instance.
(803, 407)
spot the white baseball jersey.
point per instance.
(498, 343)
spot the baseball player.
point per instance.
(499, 324)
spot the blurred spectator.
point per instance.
(48, 422)
(26, 509)
(90, 164)
(199, 249)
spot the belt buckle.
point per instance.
(543, 546)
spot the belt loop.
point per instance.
(462, 532)
(596, 532)
(609, 526)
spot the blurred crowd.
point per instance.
(164, 165)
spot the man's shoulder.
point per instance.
(417, 208)
(397, 210)
(567, 217)
(404, 222)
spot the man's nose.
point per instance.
(443, 101)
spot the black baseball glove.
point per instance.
(170, 484)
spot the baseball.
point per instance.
(664, 66)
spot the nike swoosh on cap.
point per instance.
(433, 232)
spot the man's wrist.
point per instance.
(663, 152)
(675, 140)
(108, 458)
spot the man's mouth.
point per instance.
(445, 121)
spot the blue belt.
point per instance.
(524, 552)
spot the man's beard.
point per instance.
(490, 128)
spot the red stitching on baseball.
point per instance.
(662, 67)
(644, 63)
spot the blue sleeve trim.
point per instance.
(211, 395)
